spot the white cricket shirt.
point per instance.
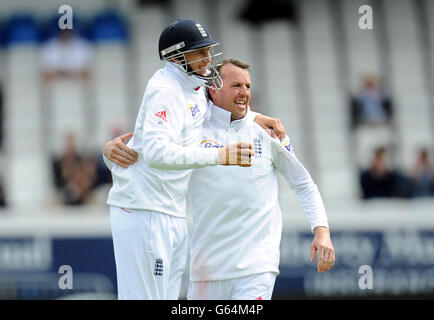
(237, 222)
(166, 137)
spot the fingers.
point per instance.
(244, 158)
(123, 157)
(327, 262)
(244, 154)
(326, 259)
(275, 128)
(330, 261)
(126, 136)
(119, 153)
(130, 156)
(323, 244)
(312, 253)
(326, 253)
(239, 153)
(320, 263)
(279, 129)
(321, 254)
(120, 161)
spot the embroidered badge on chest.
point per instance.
(257, 147)
(158, 268)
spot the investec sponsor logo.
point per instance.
(370, 262)
(25, 254)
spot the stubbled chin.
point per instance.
(240, 113)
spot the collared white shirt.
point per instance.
(237, 221)
(166, 137)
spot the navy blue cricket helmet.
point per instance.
(183, 36)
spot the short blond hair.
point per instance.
(235, 62)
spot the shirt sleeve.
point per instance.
(164, 124)
(107, 162)
(251, 115)
(300, 181)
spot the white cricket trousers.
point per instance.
(150, 253)
(254, 287)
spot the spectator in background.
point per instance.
(75, 174)
(422, 175)
(1, 116)
(2, 195)
(66, 55)
(381, 181)
(371, 106)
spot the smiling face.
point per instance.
(235, 94)
(203, 58)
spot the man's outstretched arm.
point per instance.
(307, 191)
(119, 153)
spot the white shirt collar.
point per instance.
(223, 117)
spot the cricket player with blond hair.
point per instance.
(237, 221)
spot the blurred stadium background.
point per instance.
(308, 58)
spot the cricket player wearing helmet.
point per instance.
(148, 200)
